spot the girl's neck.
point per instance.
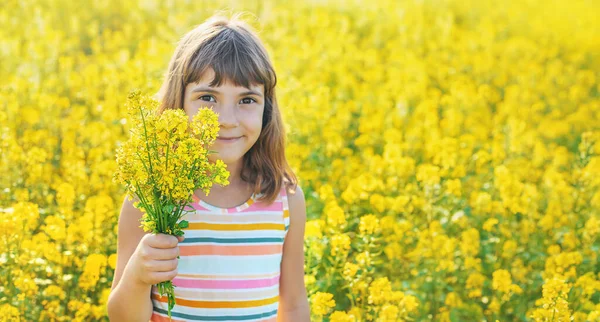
(236, 192)
(235, 172)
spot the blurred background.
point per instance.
(449, 151)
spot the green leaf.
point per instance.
(183, 224)
(168, 208)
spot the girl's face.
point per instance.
(240, 112)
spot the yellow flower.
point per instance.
(509, 248)
(452, 300)
(369, 225)
(594, 316)
(25, 282)
(588, 283)
(363, 259)
(410, 303)
(54, 290)
(28, 213)
(469, 244)
(322, 303)
(453, 187)
(481, 202)
(112, 261)
(428, 174)
(65, 195)
(554, 301)
(489, 224)
(350, 270)
(335, 215)
(380, 291)
(494, 306)
(474, 263)
(377, 201)
(148, 224)
(326, 192)
(340, 244)
(474, 284)
(501, 280)
(205, 124)
(55, 227)
(389, 312)
(314, 228)
(339, 316)
(393, 250)
(309, 280)
(9, 312)
(94, 265)
(400, 204)
(592, 227)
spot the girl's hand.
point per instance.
(154, 260)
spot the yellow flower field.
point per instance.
(449, 151)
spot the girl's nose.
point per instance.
(228, 117)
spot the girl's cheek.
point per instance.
(257, 115)
(257, 121)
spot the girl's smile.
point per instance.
(230, 139)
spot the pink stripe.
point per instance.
(257, 206)
(195, 206)
(194, 294)
(225, 284)
(156, 317)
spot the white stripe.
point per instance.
(285, 203)
(241, 265)
(237, 277)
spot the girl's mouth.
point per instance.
(228, 139)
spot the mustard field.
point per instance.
(449, 151)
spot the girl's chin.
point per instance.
(227, 159)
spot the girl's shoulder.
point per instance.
(288, 186)
(293, 195)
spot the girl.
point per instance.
(242, 256)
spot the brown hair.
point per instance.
(233, 50)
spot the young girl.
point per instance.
(242, 256)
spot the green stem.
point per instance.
(142, 198)
(178, 211)
(159, 213)
(146, 139)
(155, 145)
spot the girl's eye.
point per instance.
(249, 98)
(203, 98)
(206, 96)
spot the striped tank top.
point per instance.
(229, 264)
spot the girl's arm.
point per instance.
(293, 301)
(128, 301)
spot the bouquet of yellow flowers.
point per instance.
(163, 162)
